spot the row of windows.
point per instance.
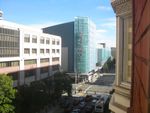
(55, 51)
(9, 31)
(9, 38)
(9, 64)
(14, 75)
(55, 59)
(26, 62)
(9, 52)
(32, 72)
(55, 67)
(44, 60)
(34, 61)
(42, 40)
(9, 42)
(42, 51)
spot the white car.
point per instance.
(76, 111)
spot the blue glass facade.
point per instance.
(103, 54)
(84, 45)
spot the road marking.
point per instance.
(78, 86)
(87, 89)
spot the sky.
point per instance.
(43, 13)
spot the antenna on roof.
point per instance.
(1, 15)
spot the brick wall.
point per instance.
(140, 93)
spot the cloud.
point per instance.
(101, 31)
(46, 24)
(110, 19)
(108, 23)
(106, 8)
(107, 38)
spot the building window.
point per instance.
(58, 42)
(27, 38)
(55, 59)
(53, 50)
(14, 75)
(127, 48)
(42, 51)
(44, 60)
(55, 67)
(29, 73)
(9, 64)
(42, 41)
(47, 41)
(47, 51)
(53, 42)
(34, 39)
(57, 51)
(26, 51)
(44, 70)
(34, 51)
(28, 62)
(9, 42)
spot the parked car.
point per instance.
(68, 109)
(89, 109)
(94, 102)
(101, 104)
(82, 104)
(76, 111)
(76, 102)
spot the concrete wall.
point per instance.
(64, 59)
(66, 31)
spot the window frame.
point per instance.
(121, 40)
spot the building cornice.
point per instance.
(120, 6)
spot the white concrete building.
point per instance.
(27, 54)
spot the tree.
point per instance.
(62, 84)
(31, 99)
(7, 94)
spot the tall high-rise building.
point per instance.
(78, 44)
(84, 45)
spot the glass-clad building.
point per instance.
(102, 55)
(84, 45)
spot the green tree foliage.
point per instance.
(63, 83)
(7, 94)
(39, 94)
(31, 99)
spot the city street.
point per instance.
(103, 84)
